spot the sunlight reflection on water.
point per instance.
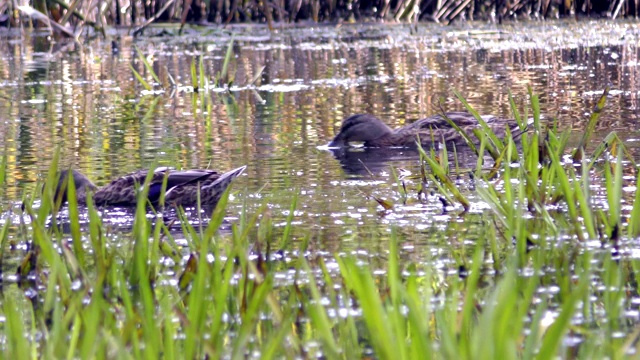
(89, 104)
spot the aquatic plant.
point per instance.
(231, 305)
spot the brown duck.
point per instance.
(369, 130)
(182, 187)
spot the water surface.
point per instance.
(85, 100)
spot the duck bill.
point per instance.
(336, 143)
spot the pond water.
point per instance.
(84, 99)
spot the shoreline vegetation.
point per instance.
(70, 18)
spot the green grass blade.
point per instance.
(141, 80)
(634, 217)
(554, 335)
(3, 170)
(614, 193)
(591, 126)
(483, 124)
(224, 74)
(148, 66)
(17, 343)
(74, 221)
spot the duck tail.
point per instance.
(225, 179)
(517, 132)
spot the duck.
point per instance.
(372, 132)
(181, 190)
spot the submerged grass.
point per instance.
(81, 296)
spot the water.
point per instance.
(85, 100)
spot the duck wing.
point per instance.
(461, 118)
(181, 179)
(123, 191)
(182, 187)
(434, 128)
(443, 131)
(210, 186)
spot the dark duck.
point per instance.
(372, 132)
(182, 187)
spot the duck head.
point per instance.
(81, 182)
(360, 128)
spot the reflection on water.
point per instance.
(362, 161)
(86, 101)
(370, 161)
